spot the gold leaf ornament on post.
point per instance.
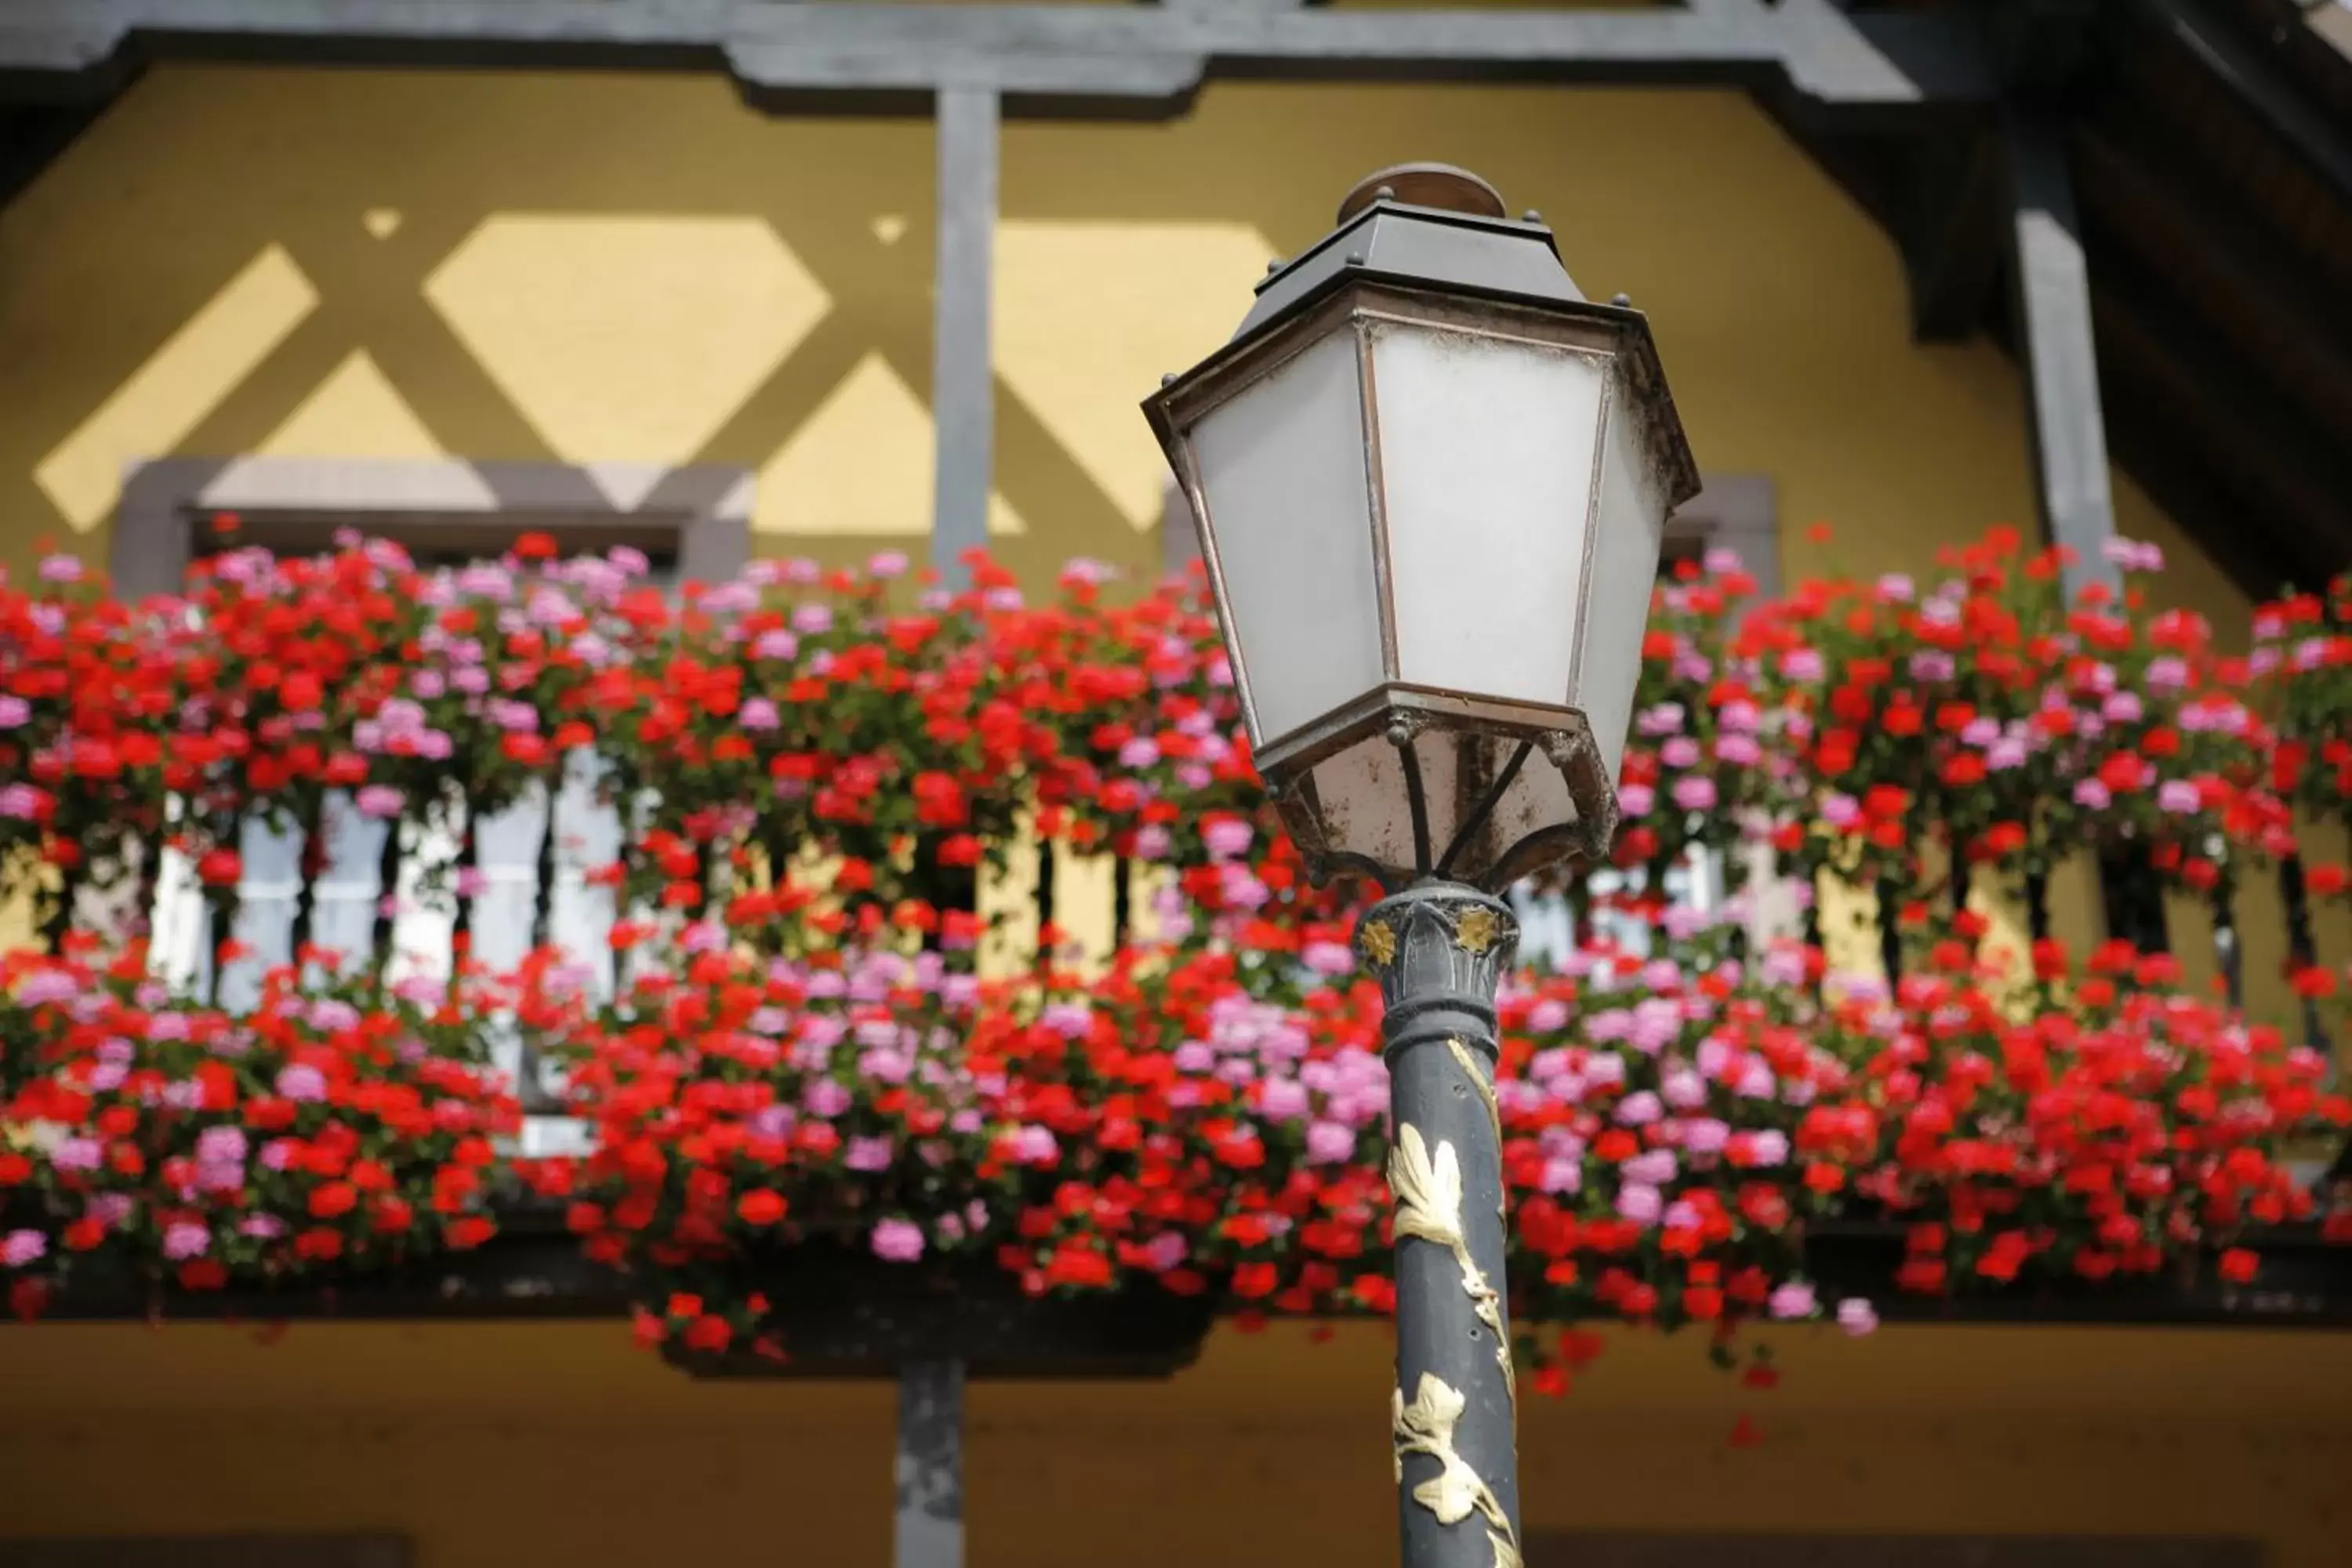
(1428, 1189)
(1378, 943)
(1425, 1427)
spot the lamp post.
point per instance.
(1430, 480)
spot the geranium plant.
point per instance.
(802, 1047)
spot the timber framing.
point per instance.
(1085, 59)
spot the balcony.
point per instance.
(830, 972)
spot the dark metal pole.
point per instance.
(1439, 949)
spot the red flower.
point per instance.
(761, 1207)
(708, 1334)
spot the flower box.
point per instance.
(528, 1270)
(843, 1313)
(2302, 1282)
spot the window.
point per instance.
(520, 875)
(693, 522)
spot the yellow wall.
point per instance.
(353, 264)
(540, 1444)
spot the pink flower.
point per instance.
(1228, 837)
(1932, 664)
(182, 1242)
(1329, 1143)
(1856, 1316)
(302, 1082)
(1640, 1109)
(1793, 1299)
(1695, 791)
(1706, 1135)
(1651, 1168)
(1639, 1203)
(1327, 959)
(382, 802)
(23, 1247)
(898, 1241)
(1283, 1098)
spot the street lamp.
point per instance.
(1430, 480)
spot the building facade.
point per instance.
(716, 318)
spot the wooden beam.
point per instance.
(2170, 465)
(928, 1528)
(2051, 294)
(2262, 85)
(1046, 58)
(2285, 476)
(31, 137)
(2158, 196)
(963, 385)
(1954, 250)
(1600, 1549)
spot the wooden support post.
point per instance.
(2051, 292)
(963, 385)
(2052, 298)
(929, 1528)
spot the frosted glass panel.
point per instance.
(1282, 470)
(1624, 571)
(1365, 808)
(1487, 451)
